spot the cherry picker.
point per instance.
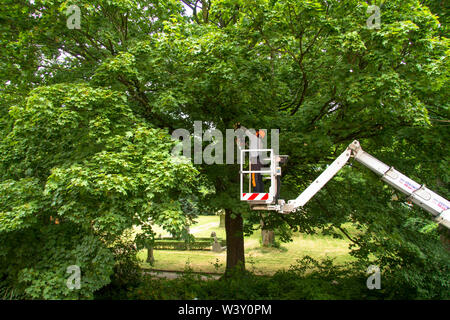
(419, 194)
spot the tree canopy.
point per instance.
(86, 116)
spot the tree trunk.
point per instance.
(235, 241)
(205, 10)
(267, 236)
(150, 257)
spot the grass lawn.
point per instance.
(258, 259)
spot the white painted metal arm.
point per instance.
(314, 187)
(430, 201)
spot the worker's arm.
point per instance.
(253, 140)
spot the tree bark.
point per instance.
(205, 10)
(267, 236)
(235, 242)
(150, 257)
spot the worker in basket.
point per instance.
(256, 142)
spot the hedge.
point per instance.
(174, 244)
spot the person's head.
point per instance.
(260, 133)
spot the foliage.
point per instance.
(85, 116)
(126, 271)
(326, 281)
(307, 280)
(78, 154)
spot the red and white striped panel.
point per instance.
(255, 196)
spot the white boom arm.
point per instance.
(419, 194)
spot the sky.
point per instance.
(188, 10)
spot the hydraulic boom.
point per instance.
(419, 194)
